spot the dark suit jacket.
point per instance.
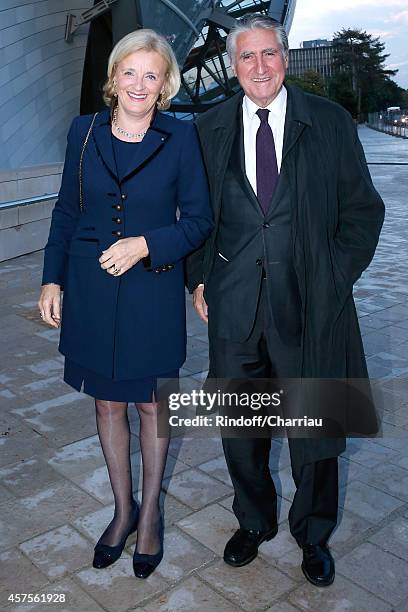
(336, 219)
(248, 242)
(132, 325)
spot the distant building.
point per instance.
(316, 55)
(319, 42)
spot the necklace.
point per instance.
(124, 132)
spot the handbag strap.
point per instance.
(81, 196)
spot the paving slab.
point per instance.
(182, 555)
(342, 595)
(78, 457)
(213, 527)
(377, 571)
(55, 497)
(58, 552)
(393, 538)
(195, 450)
(255, 590)
(18, 572)
(116, 587)
(369, 502)
(191, 594)
(195, 489)
(28, 476)
(29, 516)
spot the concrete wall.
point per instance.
(24, 229)
(40, 79)
(29, 182)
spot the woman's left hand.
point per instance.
(123, 254)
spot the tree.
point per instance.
(390, 94)
(360, 72)
(340, 91)
(311, 82)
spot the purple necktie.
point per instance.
(266, 164)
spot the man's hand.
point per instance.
(200, 304)
(123, 255)
(50, 304)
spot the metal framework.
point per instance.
(197, 30)
(73, 22)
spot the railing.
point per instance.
(28, 201)
(393, 123)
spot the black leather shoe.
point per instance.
(106, 555)
(318, 565)
(242, 548)
(144, 564)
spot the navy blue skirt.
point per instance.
(136, 390)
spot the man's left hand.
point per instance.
(123, 255)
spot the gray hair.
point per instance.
(256, 21)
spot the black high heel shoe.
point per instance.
(144, 564)
(106, 555)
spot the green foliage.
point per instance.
(341, 92)
(361, 82)
(311, 82)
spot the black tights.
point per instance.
(114, 434)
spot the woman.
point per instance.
(117, 249)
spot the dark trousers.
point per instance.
(313, 514)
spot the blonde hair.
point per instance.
(147, 40)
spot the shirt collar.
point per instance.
(277, 106)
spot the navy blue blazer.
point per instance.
(133, 325)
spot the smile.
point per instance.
(134, 96)
(261, 80)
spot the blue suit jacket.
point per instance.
(133, 325)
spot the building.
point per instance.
(318, 42)
(53, 58)
(312, 55)
(43, 46)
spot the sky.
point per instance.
(387, 19)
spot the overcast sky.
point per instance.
(385, 18)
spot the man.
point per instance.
(297, 222)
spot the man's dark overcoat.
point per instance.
(336, 219)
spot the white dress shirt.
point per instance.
(251, 123)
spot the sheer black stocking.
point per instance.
(154, 454)
(114, 435)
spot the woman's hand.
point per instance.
(123, 254)
(50, 304)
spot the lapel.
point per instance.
(237, 161)
(296, 120)
(218, 135)
(154, 139)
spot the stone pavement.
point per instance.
(55, 497)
